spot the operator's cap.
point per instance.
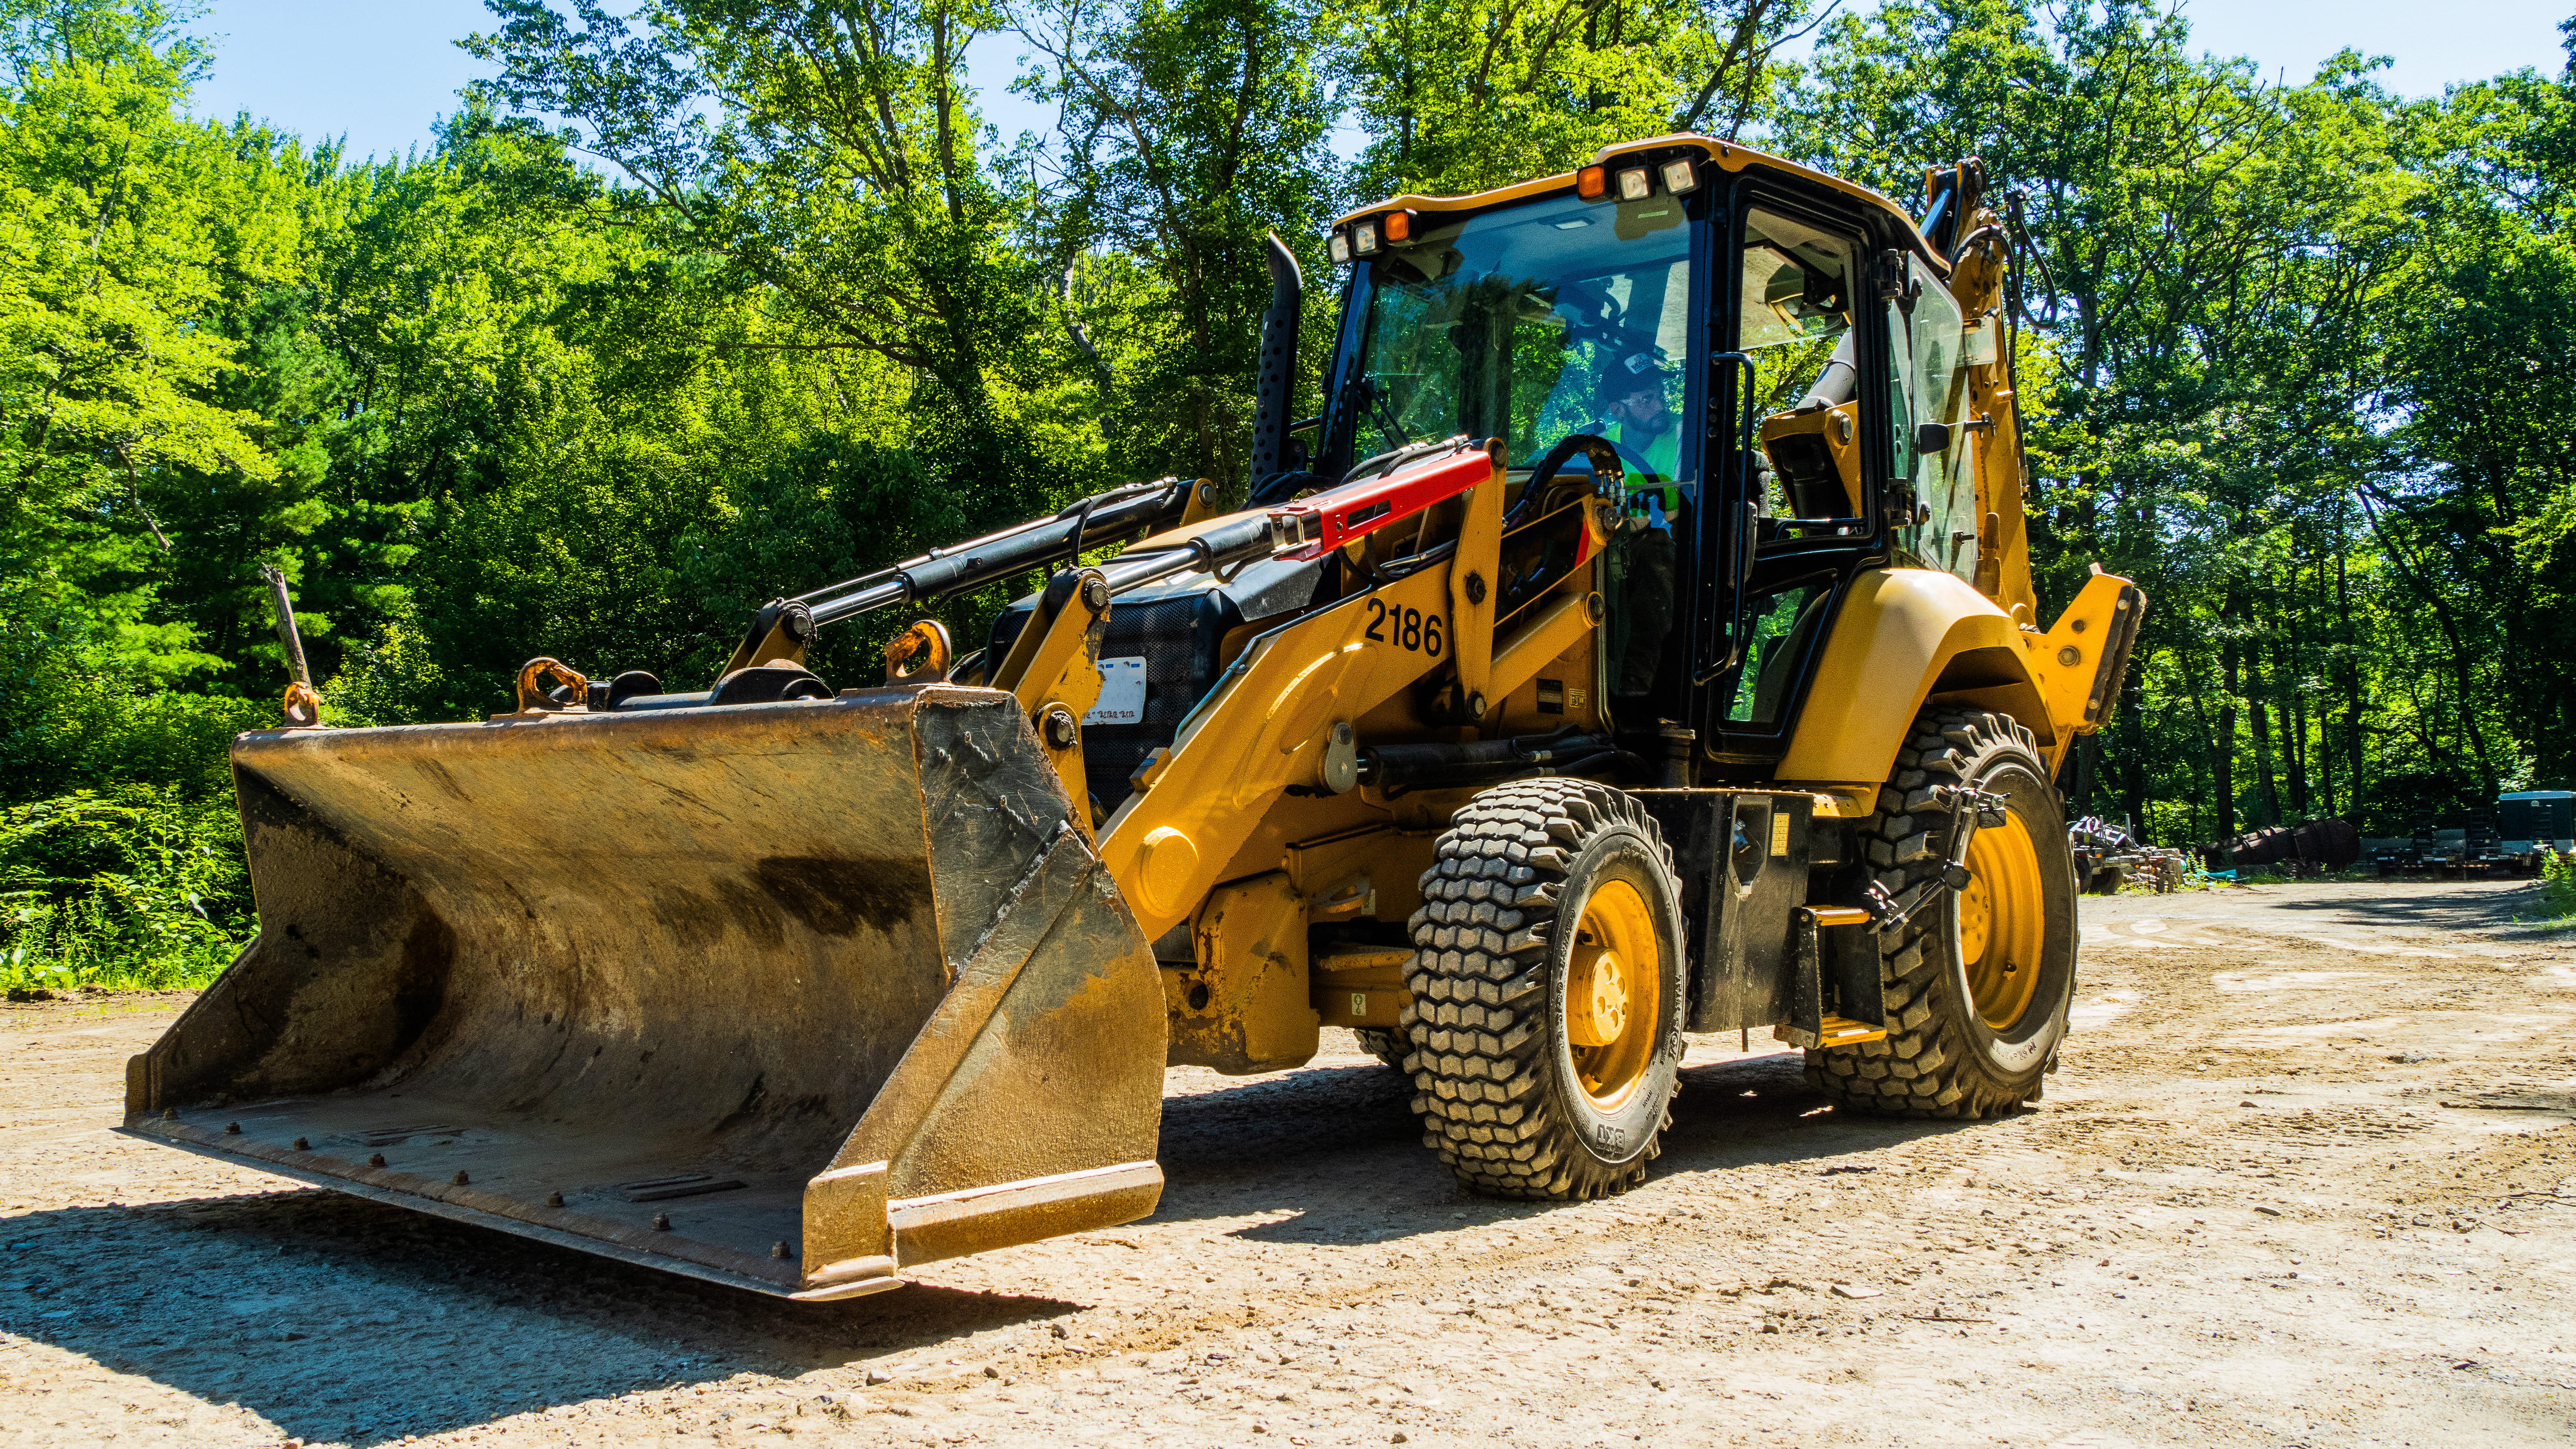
(1635, 372)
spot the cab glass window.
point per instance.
(1779, 628)
(1928, 384)
(1532, 323)
(1799, 284)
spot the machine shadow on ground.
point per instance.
(1338, 1150)
(385, 1323)
(2449, 910)
(381, 1322)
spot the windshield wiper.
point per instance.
(1375, 398)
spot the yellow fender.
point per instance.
(1906, 632)
(1934, 637)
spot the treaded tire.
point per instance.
(1387, 1044)
(1494, 1071)
(1941, 1058)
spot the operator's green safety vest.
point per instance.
(1661, 453)
(1662, 457)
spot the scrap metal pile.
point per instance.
(2106, 855)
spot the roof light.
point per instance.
(1590, 183)
(1635, 184)
(1681, 178)
(1340, 246)
(1399, 226)
(1364, 239)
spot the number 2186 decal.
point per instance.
(1406, 628)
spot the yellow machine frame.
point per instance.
(438, 867)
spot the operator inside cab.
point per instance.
(1634, 416)
(1534, 323)
(1637, 419)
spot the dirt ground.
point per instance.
(2307, 1177)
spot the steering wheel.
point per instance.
(1605, 456)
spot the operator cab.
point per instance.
(1737, 352)
(1736, 349)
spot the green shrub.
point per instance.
(76, 714)
(136, 885)
(2558, 885)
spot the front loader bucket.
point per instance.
(787, 996)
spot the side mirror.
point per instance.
(1930, 438)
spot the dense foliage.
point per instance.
(761, 302)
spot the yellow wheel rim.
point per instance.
(2002, 922)
(1613, 994)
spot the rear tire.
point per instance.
(1387, 1044)
(1548, 983)
(1978, 982)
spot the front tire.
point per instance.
(1979, 982)
(1548, 979)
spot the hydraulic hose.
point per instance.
(1102, 518)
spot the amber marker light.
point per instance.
(1399, 226)
(1591, 182)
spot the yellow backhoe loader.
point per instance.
(1640, 642)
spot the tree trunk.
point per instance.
(2199, 782)
(2223, 766)
(2294, 722)
(2351, 673)
(2133, 750)
(2267, 790)
(2463, 666)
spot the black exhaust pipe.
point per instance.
(1278, 385)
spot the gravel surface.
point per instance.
(2308, 1177)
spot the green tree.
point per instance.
(1457, 98)
(1192, 130)
(108, 261)
(2210, 260)
(825, 151)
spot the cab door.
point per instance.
(1809, 373)
(1932, 453)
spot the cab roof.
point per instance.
(1727, 155)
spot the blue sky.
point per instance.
(379, 71)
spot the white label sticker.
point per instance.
(1122, 692)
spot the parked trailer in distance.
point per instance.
(2486, 842)
(2531, 823)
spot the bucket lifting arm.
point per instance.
(782, 628)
